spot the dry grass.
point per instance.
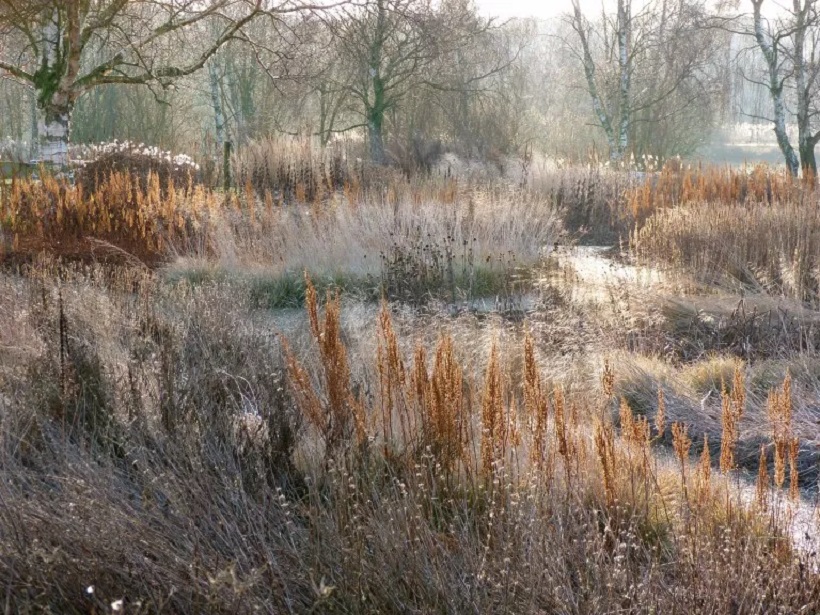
(755, 230)
(172, 446)
(730, 403)
(119, 220)
(163, 447)
(675, 185)
(591, 198)
(604, 206)
(352, 233)
(295, 169)
(410, 241)
(763, 248)
(413, 241)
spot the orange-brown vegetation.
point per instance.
(171, 445)
(119, 220)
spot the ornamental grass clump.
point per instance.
(786, 444)
(732, 407)
(95, 163)
(338, 414)
(119, 221)
(536, 403)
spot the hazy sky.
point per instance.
(524, 8)
(551, 8)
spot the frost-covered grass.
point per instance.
(85, 153)
(169, 448)
(171, 439)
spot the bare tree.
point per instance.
(64, 48)
(384, 42)
(326, 79)
(392, 47)
(614, 119)
(479, 95)
(805, 34)
(770, 44)
(789, 44)
(649, 74)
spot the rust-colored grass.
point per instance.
(117, 222)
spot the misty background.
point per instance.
(488, 80)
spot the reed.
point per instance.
(732, 408)
(763, 481)
(779, 410)
(768, 249)
(340, 412)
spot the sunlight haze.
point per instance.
(524, 8)
(389, 306)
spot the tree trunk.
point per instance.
(242, 82)
(54, 131)
(324, 128)
(53, 83)
(374, 113)
(808, 160)
(625, 110)
(805, 138)
(375, 117)
(216, 102)
(34, 137)
(782, 134)
(375, 121)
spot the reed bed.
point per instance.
(350, 235)
(769, 249)
(677, 184)
(409, 240)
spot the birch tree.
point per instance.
(613, 118)
(215, 89)
(770, 44)
(650, 74)
(806, 70)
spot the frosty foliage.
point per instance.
(92, 152)
(94, 162)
